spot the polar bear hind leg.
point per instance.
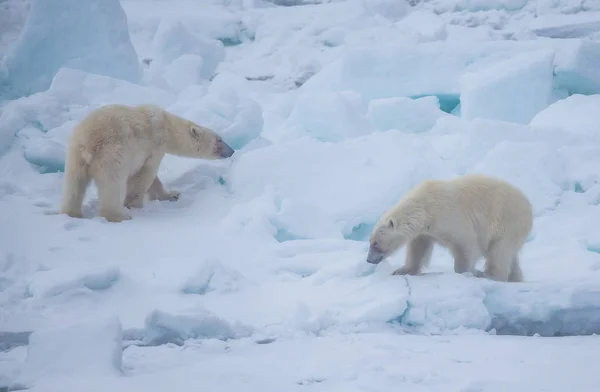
(112, 188)
(139, 183)
(75, 185)
(516, 275)
(500, 259)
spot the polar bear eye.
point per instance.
(391, 224)
(195, 131)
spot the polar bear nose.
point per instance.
(224, 150)
(375, 256)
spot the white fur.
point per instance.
(120, 148)
(472, 216)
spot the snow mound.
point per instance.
(45, 153)
(183, 56)
(543, 191)
(173, 39)
(186, 70)
(577, 114)
(512, 90)
(329, 116)
(71, 282)
(353, 184)
(39, 111)
(53, 38)
(93, 347)
(423, 26)
(404, 114)
(162, 327)
(213, 276)
(391, 9)
(226, 108)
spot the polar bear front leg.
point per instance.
(139, 183)
(158, 192)
(418, 254)
(464, 261)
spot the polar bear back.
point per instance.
(139, 130)
(471, 208)
(492, 206)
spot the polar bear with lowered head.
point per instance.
(471, 216)
(121, 147)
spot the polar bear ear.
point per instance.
(391, 223)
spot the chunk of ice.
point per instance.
(512, 90)
(404, 114)
(162, 327)
(91, 348)
(578, 114)
(60, 33)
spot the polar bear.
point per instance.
(471, 216)
(121, 147)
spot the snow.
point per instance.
(256, 279)
(41, 50)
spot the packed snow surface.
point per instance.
(256, 278)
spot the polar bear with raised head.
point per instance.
(121, 147)
(472, 216)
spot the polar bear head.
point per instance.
(207, 144)
(396, 227)
(186, 138)
(385, 239)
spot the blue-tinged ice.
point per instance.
(61, 33)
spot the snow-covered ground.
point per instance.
(256, 279)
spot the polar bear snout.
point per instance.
(223, 149)
(375, 255)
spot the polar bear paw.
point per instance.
(405, 271)
(115, 216)
(171, 195)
